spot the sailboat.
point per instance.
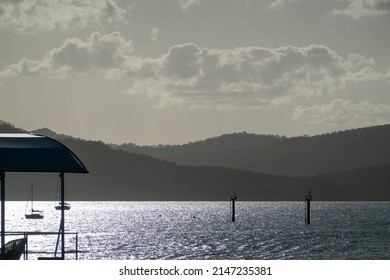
(33, 214)
(66, 206)
(59, 206)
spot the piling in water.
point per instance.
(307, 208)
(233, 198)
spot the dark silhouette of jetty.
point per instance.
(34, 153)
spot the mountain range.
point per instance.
(295, 156)
(345, 165)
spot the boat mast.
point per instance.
(62, 223)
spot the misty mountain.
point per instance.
(120, 175)
(295, 156)
(226, 150)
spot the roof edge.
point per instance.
(85, 170)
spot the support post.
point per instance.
(58, 240)
(307, 206)
(2, 179)
(77, 246)
(62, 224)
(26, 251)
(233, 198)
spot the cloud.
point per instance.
(185, 5)
(360, 8)
(249, 77)
(279, 4)
(343, 112)
(32, 16)
(246, 77)
(98, 52)
(154, 33)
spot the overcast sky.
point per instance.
(174, 71)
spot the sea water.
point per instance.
(203, 230)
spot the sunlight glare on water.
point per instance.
(203, 230)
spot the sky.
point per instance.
(169, 72)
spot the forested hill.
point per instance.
(230, 150)
(371, 183)
(296, 156)
(120, 175)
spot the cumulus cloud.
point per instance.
(343, 112)
(249, 77)
(31, 16)
(101, 52)
(187, 4)
(360, 8)
(223, 78)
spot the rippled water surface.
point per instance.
(202, 230)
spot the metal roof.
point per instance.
(24, 152)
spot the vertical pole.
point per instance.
(26, 253)
(77, 246)
(233, 198)
(307, 206)
(62, 225)
(2, 179)
(233, 211)
(58, 241)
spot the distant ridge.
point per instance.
(119, 175)
(50, 133)
(370, 183)
(295, 156)
(6, 127)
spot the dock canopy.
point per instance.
(24, 152)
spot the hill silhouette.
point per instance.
(369, 183)
(296, 156)
(120, 175)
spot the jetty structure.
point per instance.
(24, 152)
